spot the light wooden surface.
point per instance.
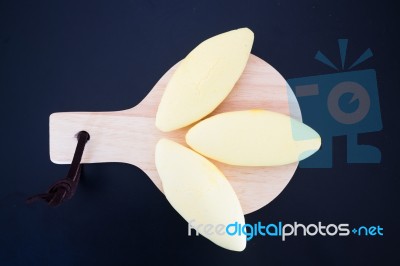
(130, 136)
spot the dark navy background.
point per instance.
(97, 55)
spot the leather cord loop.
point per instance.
(65, 188)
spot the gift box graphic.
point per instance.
(338, 104)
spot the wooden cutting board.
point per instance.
(130, 136)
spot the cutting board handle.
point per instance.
(114, 136)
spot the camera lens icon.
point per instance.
(358, 92)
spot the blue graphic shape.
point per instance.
(343, 50)
(367, 54)
(370, 153)
(323, 59)
(340, 104)
(349, 102)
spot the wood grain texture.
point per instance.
(130, 136)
